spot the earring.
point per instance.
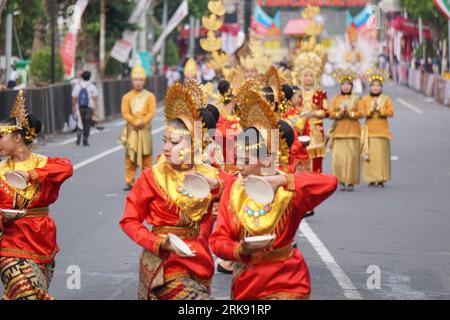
(20, 149)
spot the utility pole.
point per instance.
(102, 36)
(53, 35)
(8, 45)
(163, 48)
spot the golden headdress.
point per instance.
(312, 53)
(377, 74)
(343, 75)
(255, 57)
(256, 112)
(190, 68)
(19, 113)
(199, 95)
(138, 72)
(272, 79)
(180, 103)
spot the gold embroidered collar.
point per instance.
(265, 224)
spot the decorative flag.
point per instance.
(69, 47)
(444, 6)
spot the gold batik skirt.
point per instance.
(154, 285)
(378, 167)
(345, 162)
(24, 279)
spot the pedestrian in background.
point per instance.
(85, 102)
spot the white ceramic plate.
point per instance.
(12, 214)
(260, 240)
(196, 185)
(180, 245)
(259, 190)
(304, 139)
(16, 180)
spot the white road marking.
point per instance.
(343, 280)
(409, 105)
(72, 140)
(116, 123)
(395, 158)
(108, 152)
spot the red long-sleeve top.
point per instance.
(35, 237)
(289, 277)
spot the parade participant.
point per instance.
(377, 108)
(315, 104)
(345, 143)
(273, 270)
(160, 199)
(228, 125)
(138, 110)
(293, 116)
(28, 234)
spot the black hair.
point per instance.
(214, 111)
(295, 89)
(288, 91)
(208, 119)
(224, 87)
(86, 75)
(268, 94)
(33, 123)
(287, 132)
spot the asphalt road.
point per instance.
(402, 232)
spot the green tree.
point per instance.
(40, 66)
(428, 11)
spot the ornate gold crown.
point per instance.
(272, 79)
(256, 112)
(217, 8)
(19, 112)
(199, 95)
(211, 42)
(342, 75)
(308, 61)
(212, 22)
(376, 74)
(180, 103)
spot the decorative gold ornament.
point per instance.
(377, 74)
(218, 61)
(20, 114)
(191, 68)
(179, 103)
(211, 42)
(217, 8)
(342, 75)
(212, 23)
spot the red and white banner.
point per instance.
(69, 47)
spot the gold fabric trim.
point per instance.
(184, 233)
(168, 179)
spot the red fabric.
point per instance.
(317, 165)
(226, 133)
(35, 238)
(289, 276)
(146, 202)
